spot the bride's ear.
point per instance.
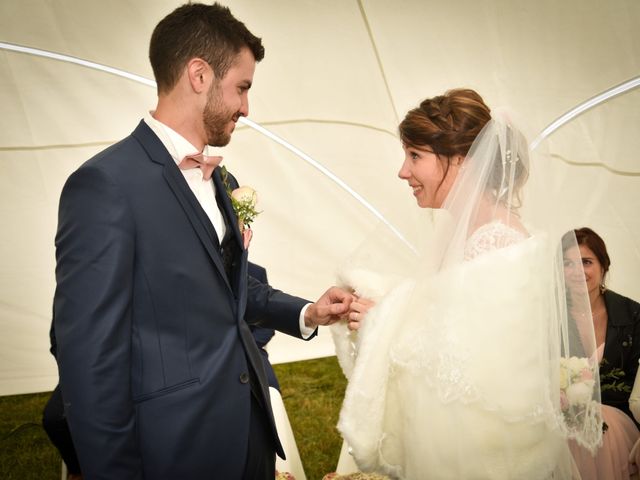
(457, 160)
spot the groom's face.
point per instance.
(228, 100)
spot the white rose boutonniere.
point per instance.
(244, 201)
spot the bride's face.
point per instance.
(428, 175)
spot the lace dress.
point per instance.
(448, 377)
(490, 237)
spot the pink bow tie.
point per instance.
(205, 163)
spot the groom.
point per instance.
(160, 376)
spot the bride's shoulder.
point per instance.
(493, 236)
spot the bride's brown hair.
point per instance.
(448, 123)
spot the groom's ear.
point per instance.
(200, 75)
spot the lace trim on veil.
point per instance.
(447, 368)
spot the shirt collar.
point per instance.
(177, 146)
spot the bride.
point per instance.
(468, 365)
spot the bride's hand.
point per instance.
(357, 311)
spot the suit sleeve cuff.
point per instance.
(305, 331)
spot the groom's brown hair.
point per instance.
(195, 30)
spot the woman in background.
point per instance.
(616, 321)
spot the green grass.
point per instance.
(312, 392)
(25, 451)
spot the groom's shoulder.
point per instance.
(119, 155)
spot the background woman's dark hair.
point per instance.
(195, 30)
(595, 243)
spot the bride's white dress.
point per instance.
(450, 375)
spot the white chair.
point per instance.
(292, 464)
(346, 464)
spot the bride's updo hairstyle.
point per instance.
(449, 124)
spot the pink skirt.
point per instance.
(611, 461)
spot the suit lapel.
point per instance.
(241, 276)
(189, 203)
(207, 235)
(226, 207)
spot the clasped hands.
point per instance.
(338, 304)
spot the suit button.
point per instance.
(244, 377)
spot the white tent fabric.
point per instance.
(337, 77)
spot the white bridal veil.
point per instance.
(478, 359)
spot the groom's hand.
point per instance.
(332, 306)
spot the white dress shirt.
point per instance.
(204, 190)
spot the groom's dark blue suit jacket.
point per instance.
(153, 349)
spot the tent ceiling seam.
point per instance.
(365, 19)
(615, 171)
(31, 148)
(103, 143)
(325, 122)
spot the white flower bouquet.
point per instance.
(576, 389)
(576, 381)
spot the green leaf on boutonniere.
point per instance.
(243, 199)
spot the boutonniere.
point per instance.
(244, 201)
